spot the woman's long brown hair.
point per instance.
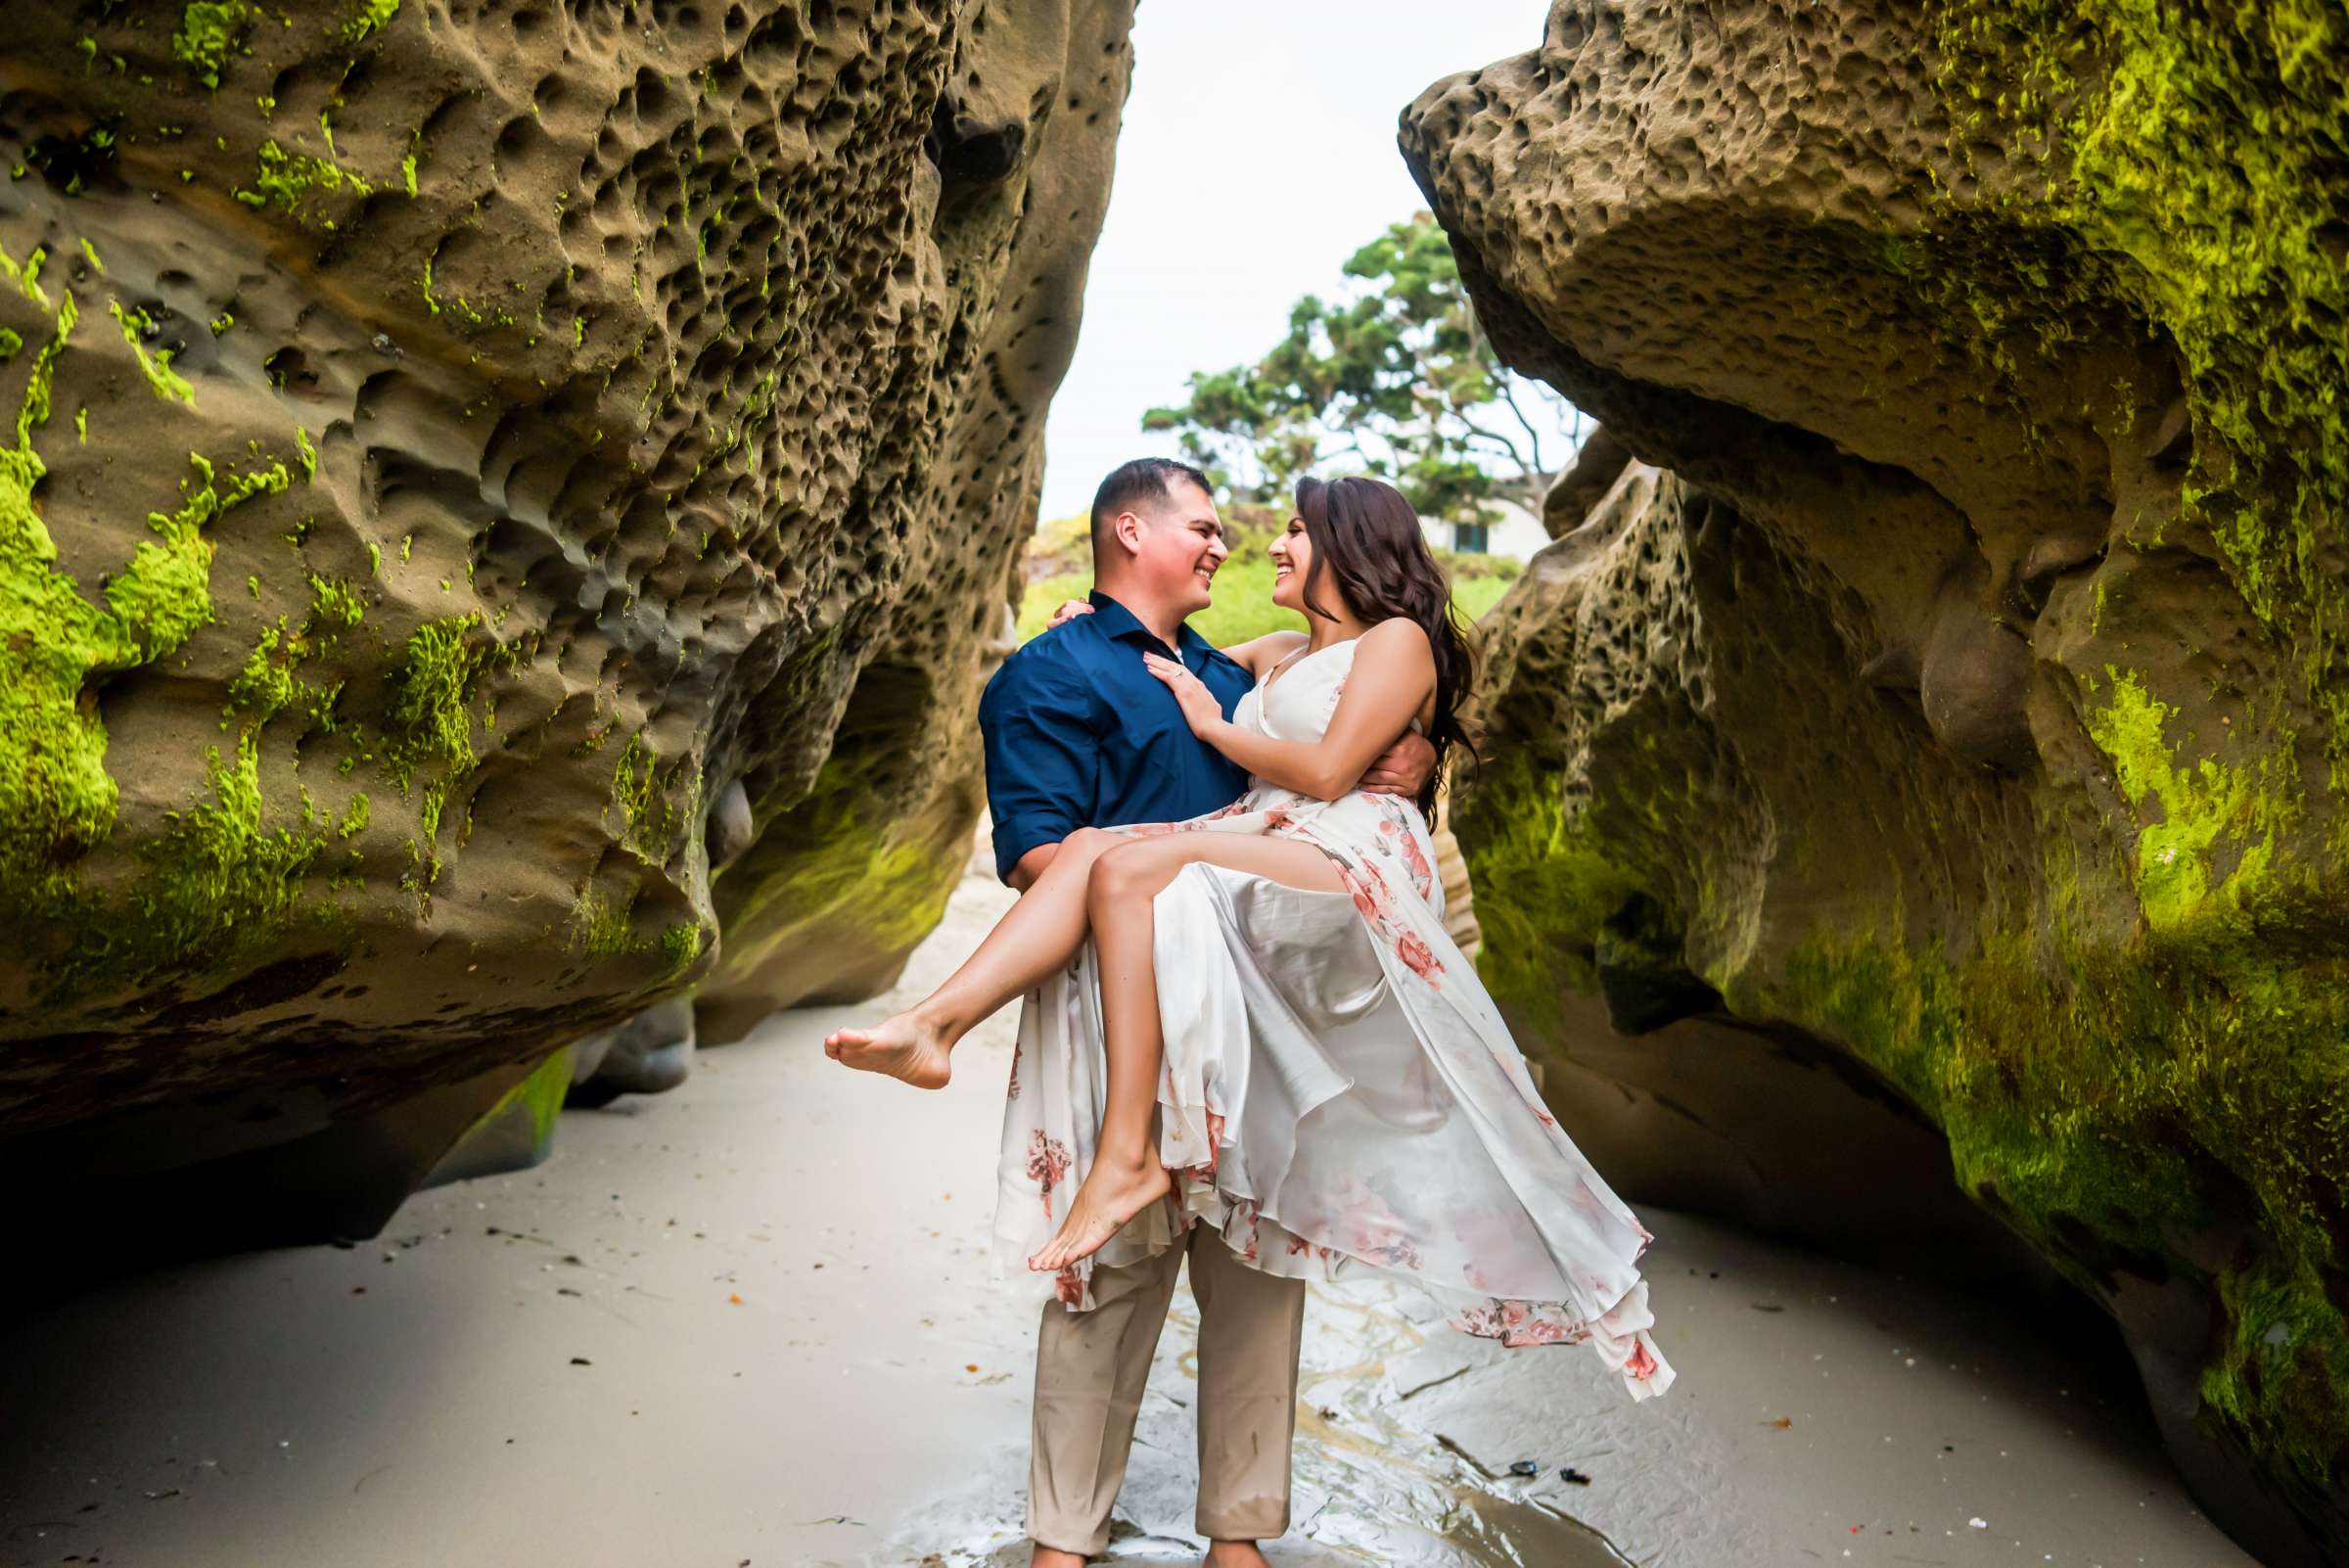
(1366, 536)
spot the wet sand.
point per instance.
(748, 1322)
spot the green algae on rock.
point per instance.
(57, 798)
(2200, 145)
(207, 30)
(1988, 734)
(439, 436)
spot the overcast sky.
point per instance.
(1258, 154)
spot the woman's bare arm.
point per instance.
(1259, 654)
(1256, 656)
(1394, 672)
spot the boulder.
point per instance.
(1946, 714)
(1597, 463)
(501, 517)
(652, 1052)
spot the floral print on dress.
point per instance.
(1368, 1226)
(1359, 889)
(1415, 1148)
(1406, 844)
(1047, 1162)
(1298, 1244)
(1376, 902)
(1418, 958)
(1517, 1323)
(1248, 1216)
(1201, 1171)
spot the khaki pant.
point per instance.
(1090, 1370)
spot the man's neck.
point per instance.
(1161, 622)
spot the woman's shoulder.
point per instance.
(1399, 632)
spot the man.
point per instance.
(1079, 733)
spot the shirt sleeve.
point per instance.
(1041, 756)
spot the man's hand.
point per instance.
(1070, 610)
(1403, 768)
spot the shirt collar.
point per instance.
(1118, 621)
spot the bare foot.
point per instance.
(903, 1047)
(1054, 1558)
(1234, 1554)
(1110, 1195)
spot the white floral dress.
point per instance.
(1340, 1097)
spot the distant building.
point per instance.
(1509, 530)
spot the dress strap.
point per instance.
(1286, 660)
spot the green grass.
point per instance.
(1243, 607)
(1476, 596)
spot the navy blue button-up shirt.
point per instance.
(1080, 733)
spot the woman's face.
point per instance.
(1292, 552)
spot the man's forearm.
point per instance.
(1030, 867)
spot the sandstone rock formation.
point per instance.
(501, 516)
(649, 1054)
(1950, 735)
(1597, 464)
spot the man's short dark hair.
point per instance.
(1145, 478)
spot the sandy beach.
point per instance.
(748, 1324)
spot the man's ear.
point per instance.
(1127, 529)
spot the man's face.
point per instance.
(1178, 545)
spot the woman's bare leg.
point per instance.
(1127, 1176)
(1036, 936)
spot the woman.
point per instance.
(1331, 1087)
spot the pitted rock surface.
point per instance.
(455, 450)
(1666, 664)
(1952, 717)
